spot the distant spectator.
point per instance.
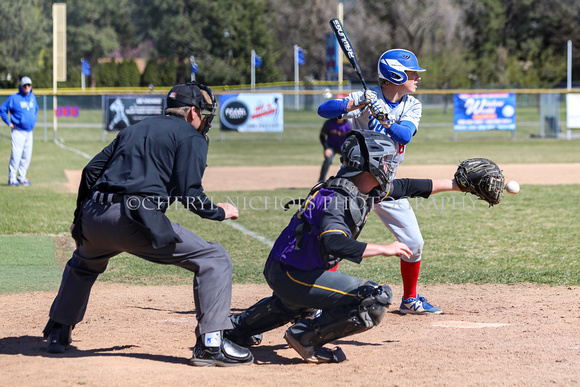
(19, 112)
(332, 136)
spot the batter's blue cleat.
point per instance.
(24, 182)
(13, 183)
(418, 305)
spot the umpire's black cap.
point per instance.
(191, 94)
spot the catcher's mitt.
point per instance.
(481, 177)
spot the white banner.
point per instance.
(573, 110)
(252, 112)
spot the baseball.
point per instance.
(512, 187)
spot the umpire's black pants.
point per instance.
(108, 232)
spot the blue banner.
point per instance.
(493, 111)
(332, 51)
(257, 61)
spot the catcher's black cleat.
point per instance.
(58, 336)
(313, 354)
(227, 355)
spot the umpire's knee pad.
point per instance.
(375, 301)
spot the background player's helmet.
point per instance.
(369, 151)
(393, 63)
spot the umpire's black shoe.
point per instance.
(227, 355)
(59, 336)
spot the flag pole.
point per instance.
(296, 78)
(253, 76)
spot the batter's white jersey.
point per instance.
(398, 215)
(409, 109)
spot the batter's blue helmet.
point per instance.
(393, 63)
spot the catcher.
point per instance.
(322, 233)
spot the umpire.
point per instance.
(123, 195)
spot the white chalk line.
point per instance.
(249, 233)
(78, 152)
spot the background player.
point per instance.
(332, 136)
(321, 233)
(398, 72)
(19, 112)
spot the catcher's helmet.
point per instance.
(368, 151)
(393, 64)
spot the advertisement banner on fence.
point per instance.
(124, 110)
(249, 112)
(573, 111)
(493, 111)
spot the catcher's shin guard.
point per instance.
(265, 315)
(348, 320)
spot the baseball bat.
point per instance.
(346, 47)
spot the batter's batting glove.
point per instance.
(370, 97)
(379, 110)
(377, 106)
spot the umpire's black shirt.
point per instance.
(160, 158)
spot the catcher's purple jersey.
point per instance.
(324, 213)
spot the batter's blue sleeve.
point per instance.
(403, 132)
(333, 108)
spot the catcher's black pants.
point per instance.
(108, 232)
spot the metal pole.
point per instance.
(569, 64)
(44, 103)
(296, 78)
(253, 72)
(82, 76)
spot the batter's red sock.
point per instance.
(410, 274)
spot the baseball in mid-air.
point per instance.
(512, 187)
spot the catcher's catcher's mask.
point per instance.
(194, 94)
(369, 151)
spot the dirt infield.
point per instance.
(268, 178)
(488, 335)
(517, 335)
(305, 176)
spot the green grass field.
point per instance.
(530, 237)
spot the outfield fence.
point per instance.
(81, 114)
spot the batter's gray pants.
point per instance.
(108, 232)
(398, 216)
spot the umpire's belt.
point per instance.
(106, 198)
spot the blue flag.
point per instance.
(194, 68)
(86, 67)
(257, 61)
(301, 56)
